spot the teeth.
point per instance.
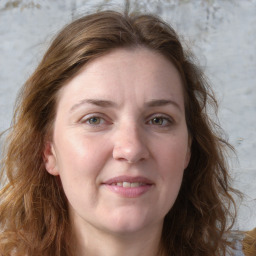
(134, 184)
(126, 184)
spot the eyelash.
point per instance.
(87, 120)
(165, 121)
(168, 120)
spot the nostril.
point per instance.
(130, 152)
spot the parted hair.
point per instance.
(33, 208)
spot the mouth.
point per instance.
(130, 187)
(126, 184)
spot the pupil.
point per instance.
(157, 120)
(94, 120)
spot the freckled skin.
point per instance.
(94, 142)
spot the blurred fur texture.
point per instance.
(249, 243)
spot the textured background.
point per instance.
(222, 34)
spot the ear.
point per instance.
(50, 160)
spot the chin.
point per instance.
(126, 229)
(125, 222)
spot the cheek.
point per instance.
(80, 161)
(76, 152)
(173, 154)
(172, 170)
(79, 167)
(172, 159)
(172, 184)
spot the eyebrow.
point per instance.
(109, 104)
(96, 102)
(162, 102)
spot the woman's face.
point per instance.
(120, 141)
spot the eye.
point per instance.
(157, 120)
(160, 121)
(94, 120)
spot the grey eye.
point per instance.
(94, 120)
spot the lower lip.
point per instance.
(129, 192)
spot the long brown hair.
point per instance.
(34, 218)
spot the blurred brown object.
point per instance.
(249, 243)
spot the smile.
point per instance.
(126, 184)
(130, 187)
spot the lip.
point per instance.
(139, 179)
(129, 192)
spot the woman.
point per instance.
(111, 150)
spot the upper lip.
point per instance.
(130, 179)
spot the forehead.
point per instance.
(139, 58)
(126, 72)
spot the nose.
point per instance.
(130, 144)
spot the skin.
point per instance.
(122, 115)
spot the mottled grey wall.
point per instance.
(222, 33)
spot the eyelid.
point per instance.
(87, 117)
(106, 120)
(163, 116)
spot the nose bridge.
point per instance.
(129, 142)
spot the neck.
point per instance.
(94, 242)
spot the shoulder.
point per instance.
(249, 243)
(244, 243)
